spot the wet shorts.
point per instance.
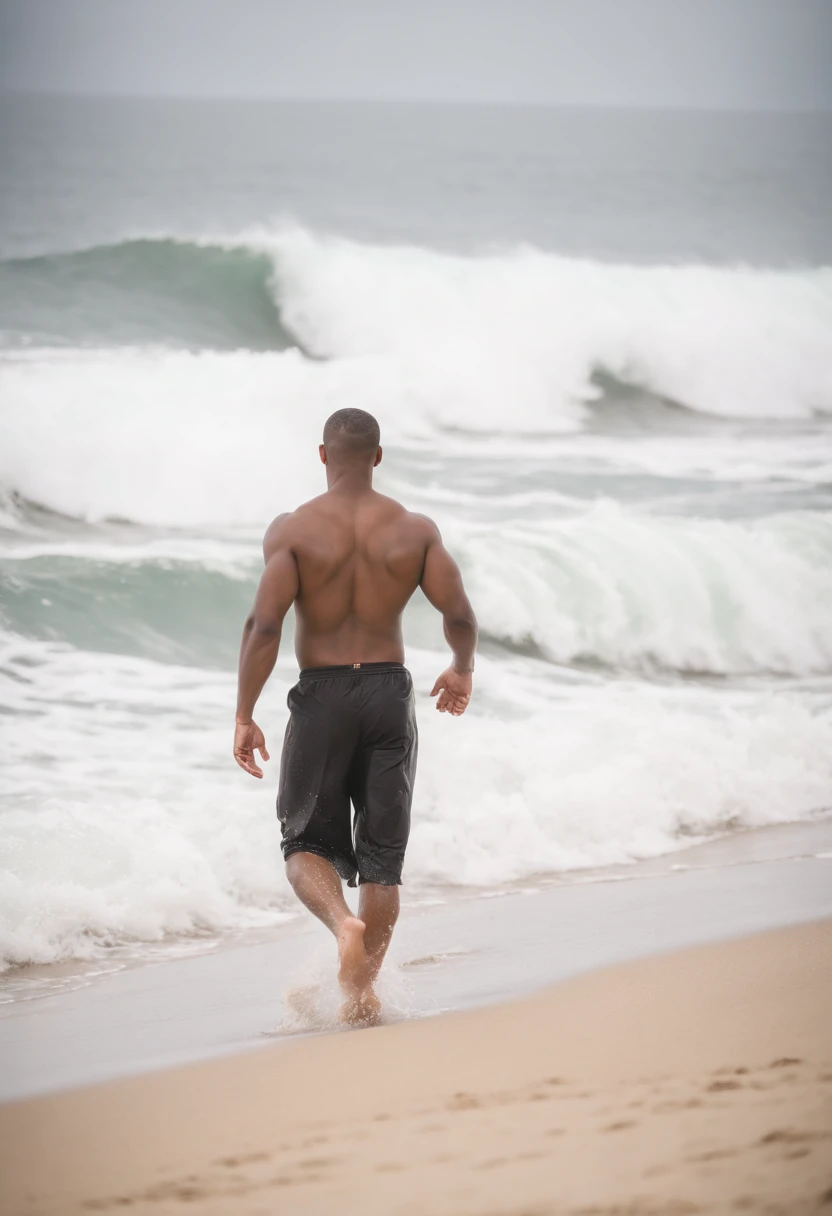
(351, 737)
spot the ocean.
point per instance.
(599, 346)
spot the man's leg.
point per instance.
(378, 907)
(381, 794)
(317, 885)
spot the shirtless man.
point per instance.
(349, 561)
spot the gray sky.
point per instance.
(734, 54)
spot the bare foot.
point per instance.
(363, 1009)
(370, 1008)
(353, 969)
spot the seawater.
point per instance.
(600, 349)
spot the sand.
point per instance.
(699, 1081)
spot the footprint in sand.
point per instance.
(244, 1159)
(462, 1101)
(790, 1135)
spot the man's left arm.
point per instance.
(258, 650)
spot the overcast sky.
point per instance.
(745, 54)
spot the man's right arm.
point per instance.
(442, 584)
(276, 593)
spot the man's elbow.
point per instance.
(266, 630)
(261, 629)
(462, 619)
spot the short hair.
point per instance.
(351, 432)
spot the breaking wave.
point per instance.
(475, 340)
(163, 291)
(177, 842)
(609, 586)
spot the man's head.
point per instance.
(351, 439)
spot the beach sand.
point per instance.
(698, 1081)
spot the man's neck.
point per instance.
(349, 481)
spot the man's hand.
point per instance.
(454, 692)
(248, 738)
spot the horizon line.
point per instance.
(462, 103)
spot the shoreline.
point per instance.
(446, 956)
(741, 846)
(699, 1080)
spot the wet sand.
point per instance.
(698, 1081)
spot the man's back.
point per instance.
(359, 558)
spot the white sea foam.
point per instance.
(608, 773)
(605, 584)
(235, 559)
(521, 332)
(126, 820)
(159, 437)
(191, 439)
(503, 343)
(504, 340)
(503, 347)
(176, 438)
(632, 590)
(135, 823)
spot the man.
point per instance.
(349, 561)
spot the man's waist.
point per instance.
(350, 669)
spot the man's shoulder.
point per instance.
(280, 521)
(412, 520)
(279, 532)
(288, 521)
(290, 526)
(425, 526)
(415, 528)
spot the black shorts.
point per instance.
(351, 737)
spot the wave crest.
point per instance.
(520, 334)
(159, 291)
(636, 592)
(609, 587)
(512, 339)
